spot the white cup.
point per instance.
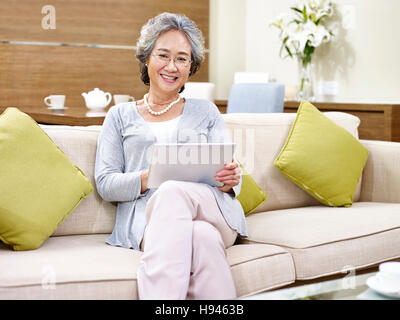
(389, 275)
(120, 98)
(55, 101)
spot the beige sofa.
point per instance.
(291, 236)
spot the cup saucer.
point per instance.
(374, 283)
(57, 108)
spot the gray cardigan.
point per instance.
(124, 150)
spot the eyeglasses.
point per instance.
(180, 61)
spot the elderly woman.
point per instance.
(183, 228)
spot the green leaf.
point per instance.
(285, 39)
(288, 51)
(305, 14)
(308, 50)
(298, 12)
(296, 9)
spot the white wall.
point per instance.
(363, 58)
(227, 43)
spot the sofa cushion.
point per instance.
(39, 185)
(85, 268)
(88, 268)
(259, 139)
(325, 240)
(381, 174)
(251, 195)
(94, 215)
(259, 267)
(322, 158)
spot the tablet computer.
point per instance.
(193, 162)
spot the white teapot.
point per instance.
(97, 99)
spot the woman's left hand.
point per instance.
(229, 176)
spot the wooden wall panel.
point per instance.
(28, 73)
(377, 121)
(372, 125)
(115, 22)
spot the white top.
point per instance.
(163, 130)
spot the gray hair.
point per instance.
(160, 24)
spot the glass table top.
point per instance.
(350, 287)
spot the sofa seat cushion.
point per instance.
(260, 267)
(327, 240)
(85, 267)
(70, 267)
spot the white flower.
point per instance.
(304, 26)
(299, 34)
(321, 35)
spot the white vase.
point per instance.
(305, 88)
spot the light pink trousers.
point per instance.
(184, 245)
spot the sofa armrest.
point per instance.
(381, 175)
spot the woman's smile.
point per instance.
(169, 78)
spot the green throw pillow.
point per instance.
(251, 195)
(39, 186)
(322, 158)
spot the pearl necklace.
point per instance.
(157, 113)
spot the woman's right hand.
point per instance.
(143, 178)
